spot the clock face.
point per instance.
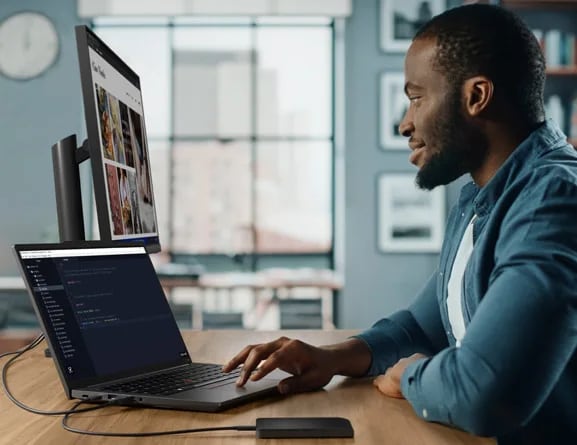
(28, 45)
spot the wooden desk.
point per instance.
(376, 419)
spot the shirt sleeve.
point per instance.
(524, 331)
(418, 329)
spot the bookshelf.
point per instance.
(562, 71)
(555, 25)
(539, 4)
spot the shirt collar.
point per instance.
(548, 136)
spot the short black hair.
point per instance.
(482, 39)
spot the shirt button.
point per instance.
(463, 214)
(425, 413)
(458, 344)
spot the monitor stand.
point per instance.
(66, 157)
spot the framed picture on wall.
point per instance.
(393, 106)
(409, 219)
(400, 20)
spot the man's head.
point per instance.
(467, 68)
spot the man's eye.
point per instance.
(414, 98)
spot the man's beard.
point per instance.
(461, 146)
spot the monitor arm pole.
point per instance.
(66, 156)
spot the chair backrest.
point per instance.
(182, 314)
(16, 310)
(222, 320)
(301, 313)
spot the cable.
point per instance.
(25, 348)
(148, 434)
(74, 410)
(17, 354)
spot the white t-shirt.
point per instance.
(455, 285)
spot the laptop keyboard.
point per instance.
(194, 376)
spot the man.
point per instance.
(488, 346)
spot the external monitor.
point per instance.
(117, 144)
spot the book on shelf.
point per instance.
(567, 49)
(554, 110)
(540, 36)
(558, 47)
(573, 119)
(553, 48)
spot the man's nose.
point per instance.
(406, 126)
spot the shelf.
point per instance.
(540, 4)
(562, 71)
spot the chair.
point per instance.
(16, 311)
(301, 313)
(183, 314)
(222, 320)
(4, 310)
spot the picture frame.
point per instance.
(393, 106)
(409, 219)
(400, 20)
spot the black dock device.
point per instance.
(302, 427)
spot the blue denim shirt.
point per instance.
(514, 375)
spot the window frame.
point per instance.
(243, 261)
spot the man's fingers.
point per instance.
(388, 386)
(267, 366)
(256, 355)
(242, 356)
(237, 359)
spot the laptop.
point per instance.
(112, 334)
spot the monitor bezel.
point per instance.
(84, 36)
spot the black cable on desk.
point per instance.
(32, 345)
(151, 433)
(74, 410)
(17, 354)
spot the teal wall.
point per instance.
(376, 284)
(34, 115)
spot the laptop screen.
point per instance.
(104, 311)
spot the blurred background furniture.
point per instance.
(222, 320)
(301, 313)
(18, 322)
(287, 298)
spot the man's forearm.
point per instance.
(351, 358)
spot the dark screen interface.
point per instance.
(104, 310)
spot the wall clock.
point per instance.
(29, 45)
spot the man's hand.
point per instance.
(389, 383)
(312, 367)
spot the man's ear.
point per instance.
(478, 93)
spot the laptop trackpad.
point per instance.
(224, 390)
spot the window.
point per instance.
(239, 117)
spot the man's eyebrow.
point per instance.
(411, 86)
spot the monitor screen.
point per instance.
(117, 144)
